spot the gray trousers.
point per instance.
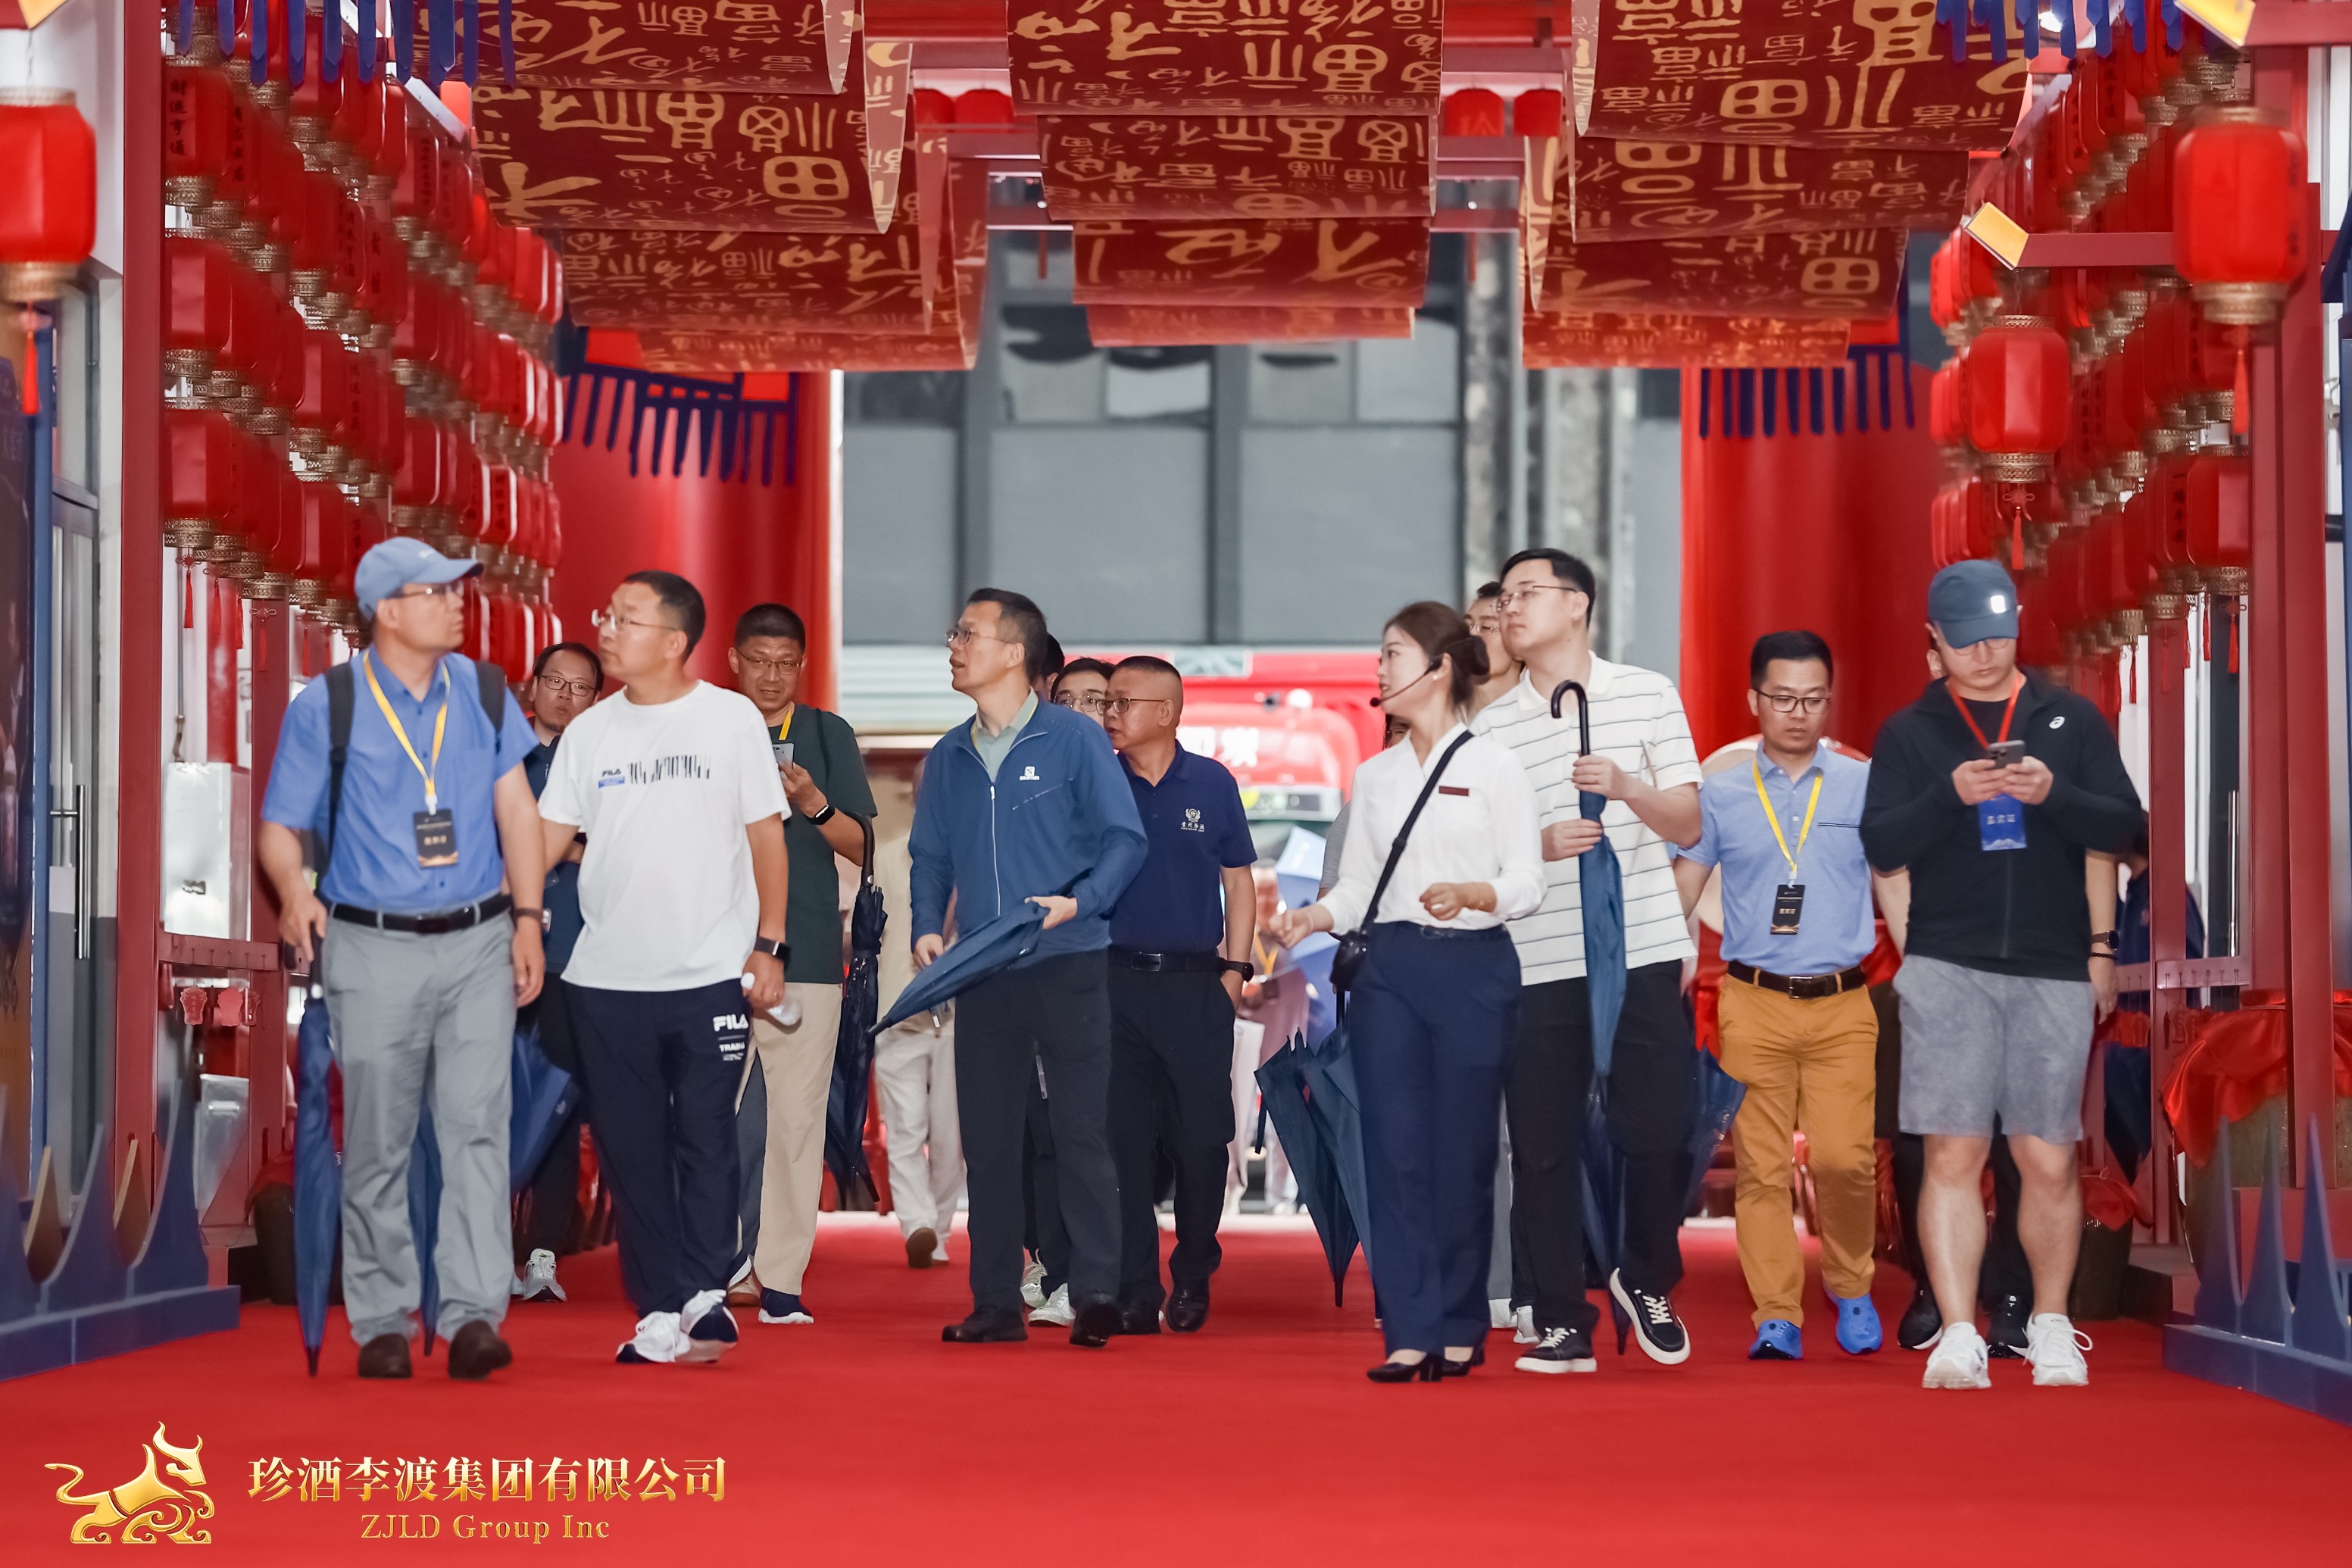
(419, 1016)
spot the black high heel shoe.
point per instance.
(1428, 1369)
(1449, 1367)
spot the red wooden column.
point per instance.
(740, 542)
(2167, 882)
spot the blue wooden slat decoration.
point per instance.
(506, 40)
(331, 38)
(1748, 403)
(91, 1271)
(1705, 396)
(470, 28)
(367, 40)
(256, 44)
(2319, 1326)
(1814, 381)
(2217, 1297)
(440, 51)
(1837, 401)
(613, 420)
(19, 1293)
(298, 38)
(403, 37)
(2263, 1314)
(709, 433)
(183, 30)
(172, 1256)
(1771, 402)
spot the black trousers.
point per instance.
(662, 1067)
(1055, 1010)
(1172, 1088)
(553, 1211)
(1652, 1097)
(1043, 1234)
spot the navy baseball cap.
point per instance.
(396, 563)
(1971, 601)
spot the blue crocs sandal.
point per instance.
(1858, 1332)
(1777, 1339)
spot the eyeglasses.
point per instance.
(960, 635)
(1122, 705)
(1509, 598)
(604, 620)
(563, 688)
(1783, 704)
(429, 591)
(768, 665)
(1084, 701)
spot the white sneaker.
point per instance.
(1057, 1310)
(707, 1326)
(1033, 1285)
(2056, 1346)
(1523, 1331)
(1499, 1313)
(538, 1281)
(660, 1342)
(1958, 1360)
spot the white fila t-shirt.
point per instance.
(1638, 724)
(664, 792)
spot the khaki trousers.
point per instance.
(795, 1067)
(1809, 1066)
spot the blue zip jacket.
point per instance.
(1058, 817)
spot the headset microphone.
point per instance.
(1408, 686)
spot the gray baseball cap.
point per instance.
(393, 564)
(1971, 601)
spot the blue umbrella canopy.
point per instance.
(1336, 1108)
(972, 958)
(1602, 891)
(318, 1177)
(1282, 1080)
(853, 1050)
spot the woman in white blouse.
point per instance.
(1434, 1012)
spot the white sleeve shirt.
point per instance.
(1480, 825)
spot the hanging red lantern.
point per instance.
(2015, 383)
(1536, 114)
(1947, 418)
(201, 453)
(196, 134)
(2239, 200)
(49, 220)
(983, 106)
(2219, 535)
(1472, 111)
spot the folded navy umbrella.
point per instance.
(972, 958)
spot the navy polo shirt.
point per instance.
(375, 864)
(1193, 830)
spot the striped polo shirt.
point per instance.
(1638, 724)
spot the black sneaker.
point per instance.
(1653, 1320)
(1922, 1321)
(1557, 1350)
(2005, 1335)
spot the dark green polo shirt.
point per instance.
(826, 746)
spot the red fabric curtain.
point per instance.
(741, 543)
(1796, 531)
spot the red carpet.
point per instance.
(865, 1440)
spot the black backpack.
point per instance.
(342, 701)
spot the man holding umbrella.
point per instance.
(1643, 762)
(780, 1115)
(1026, 804)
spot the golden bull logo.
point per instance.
(162, 1502)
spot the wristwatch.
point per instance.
(2108, 940)
(544, 920)
(1240, 966)
(779, 950)
(822, 817)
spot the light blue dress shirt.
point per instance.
(1837, 929)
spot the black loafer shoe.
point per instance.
(387, 1355)
(476, 1352)
(1138, 1318)
(1096, 1321)
(1187, 1310)
(986, 1328)
(1922, 1321)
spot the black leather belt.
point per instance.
(1803, 987)
(1166, 962)
(465, 919)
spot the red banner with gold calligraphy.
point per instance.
(1560, 340)
(644, 159)
(1817, 73)
(1667, 190)
(1173, 326)
(952, 343)
(648, 279)
(1224, 56)
(799, 46)
(1267, 165)
(1288, 261)
(1839, 272)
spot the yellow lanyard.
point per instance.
(440, 729)
(1771, 816)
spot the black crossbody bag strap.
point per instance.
(342, 700)
(1350, 956)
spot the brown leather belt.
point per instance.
(1803, 987)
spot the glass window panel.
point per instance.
(1157, 383)
(903, 398)
(1410, 381)
(75, 324)
(1053, 373)
(1302, 383)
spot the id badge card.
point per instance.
(1788, 907)
(436, 838)
(2000, 823)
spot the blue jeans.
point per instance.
(1431, 1028)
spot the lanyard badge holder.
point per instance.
(436, 826)
(1788, 898)
(2001, 821)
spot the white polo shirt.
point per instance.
(1637, 724)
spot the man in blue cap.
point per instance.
(1989, 790)
(407, 765)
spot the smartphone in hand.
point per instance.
(2005, 754)
(783, 750)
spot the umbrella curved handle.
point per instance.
(1584, 714)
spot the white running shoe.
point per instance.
(1033, 1285)
(1499, 1313)
(1056, 1310)
(1958, 1360)
(2056, 1346)
(1523, 1331)
(660, 1342)
(707, 1326)
(538, 1281)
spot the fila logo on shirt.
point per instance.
(1028, 775)
(720, 1023)
(1193, 822)
(610, 777)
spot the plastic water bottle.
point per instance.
(785, 1014)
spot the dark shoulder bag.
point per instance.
(1348, 962)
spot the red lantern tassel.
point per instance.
(2233, 644)
(2238, 399)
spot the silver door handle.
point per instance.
(73, 814)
